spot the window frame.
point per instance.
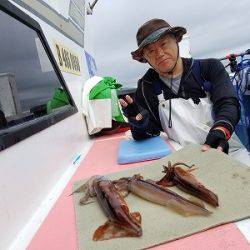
(19, 132)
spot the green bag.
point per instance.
(59, 99)
(106, 89)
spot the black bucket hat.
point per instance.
(151, 31)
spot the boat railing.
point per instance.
(239, 65)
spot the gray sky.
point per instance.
(215, 27)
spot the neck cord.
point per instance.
(171, 87)
(170, 106)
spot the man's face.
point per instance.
(162, 54)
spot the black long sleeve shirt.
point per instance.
(222, 94)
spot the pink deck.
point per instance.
(58, 231)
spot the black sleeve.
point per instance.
(147, 127)
(226, 106)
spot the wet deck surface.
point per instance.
(58, 231)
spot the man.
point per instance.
(177, 94)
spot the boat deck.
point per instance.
(58, 231)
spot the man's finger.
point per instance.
(123, 103)
(220, 149)
(205, 147)
(138, 117)
(129, 99)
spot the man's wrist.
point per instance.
(225, 124)
(225, 131)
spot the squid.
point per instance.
(121, 222)
(184, 180)
(149, 190)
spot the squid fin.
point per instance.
(86, 185)
(85, 199)
(82, 188)
(111, 230)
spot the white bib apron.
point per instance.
(190, 122)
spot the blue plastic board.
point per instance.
(149, 149)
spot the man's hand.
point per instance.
(216, 138)
(130, 108)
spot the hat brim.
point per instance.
(178, 32)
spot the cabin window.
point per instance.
(33, 94)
